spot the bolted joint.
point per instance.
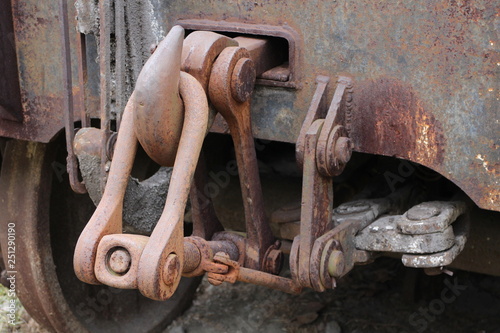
(119, 261)
(343, 149)
(243, 80)
(171, 269)
(336, 264)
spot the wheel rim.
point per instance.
(49, 218)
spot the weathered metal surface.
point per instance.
(287, 74)
(167, 237)
(331, 157)
(159, 114)
(321, 157)
(49, 217)
(68, 105)
(38, 69)
(143, 201)
(199, 51)
(430, 217)
(482, 249)
(403, 60)
(107, 219)
(317, 205)
(10, 97)
(25, 180)
(205, 221)
(265, 54)
(383, 236)
(199, 254)
(317, 110)
(443, 258)
(237, 115)
(426, 74)
(238, 273)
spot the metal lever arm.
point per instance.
(230, 87)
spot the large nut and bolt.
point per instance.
(343, 149)
(336, 264)
(243, 80)
(171, 269)
(119, 261)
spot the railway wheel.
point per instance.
(35, 195)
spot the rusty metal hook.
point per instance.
(159, 111)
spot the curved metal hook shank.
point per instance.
(159, 113)
(168, 235)
(107, 218)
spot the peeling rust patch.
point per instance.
(390, 119)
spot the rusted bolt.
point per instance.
(243, 80)
(422, 212)
(171, 269)
(343, 150)
(119, 261)
(274, 262)
(336, 264)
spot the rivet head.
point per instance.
(336, 264)
(120, 261)
(171, 269)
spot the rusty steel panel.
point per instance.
(10, 99)
(37, 35)
(426, 77)
(426, 85)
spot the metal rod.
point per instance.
(104, 65)
(71, 162)
(82, 79)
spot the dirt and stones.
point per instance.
(381, 297)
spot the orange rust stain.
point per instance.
(391, 120)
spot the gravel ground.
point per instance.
(380, 297)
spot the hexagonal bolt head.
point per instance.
(243, 80)
(119, 261)
(171, 269)
(336, 264)
(343, 149)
